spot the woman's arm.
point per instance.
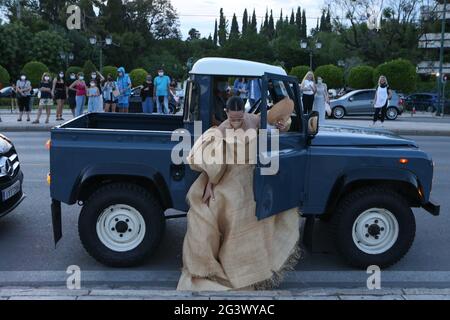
(53, 87)
(72, 86)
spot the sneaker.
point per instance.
(35, 122)
(19, 120)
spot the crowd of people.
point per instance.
(99, 93)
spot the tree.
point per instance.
(254, 24)
(15, 50)
(73, 69)
(332, 75)
(234, 31)
(361, 77)
(4, 77)
(245, 22)
(113, 16)
(88, 68)
(271, 27)
(298, 20)
(215, 38)
(299, 72)
(47, 45)
(194, 34)
(34, 71)
(292, 20)
(304, 25)
(223, 26)
(138, 76)
(401, 75)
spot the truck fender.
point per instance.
(125, 170)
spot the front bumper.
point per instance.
(12, 203)
(432, 208)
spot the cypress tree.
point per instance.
(222, 33)
(304, 25)
(215, 34)
(271, 27)
(298, 21)
(234, 31)
(292, 21)
(254, 24)
(245, 22)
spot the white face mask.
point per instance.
(61, 75)
(93, 76)
(93, 84)
(160, 74)
(73, 77)
(81, 78)
(23, 78)
(46, 78)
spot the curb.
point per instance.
(152, 294)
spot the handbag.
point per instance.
(328, 109)
(116, 93)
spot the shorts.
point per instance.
(24, 104)
(46, 102)
(110, 101)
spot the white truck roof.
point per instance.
(234, 67)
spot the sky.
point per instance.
(201, 14)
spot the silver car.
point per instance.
(360, 103)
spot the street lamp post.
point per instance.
(66, 57)
(441, 62)
(312, 47)
(102, 44)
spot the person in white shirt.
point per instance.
(382, 97)
(308, 89)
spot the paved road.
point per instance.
(28, 257)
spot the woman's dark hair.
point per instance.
(235, 104)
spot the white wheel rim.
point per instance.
(375, 231)
(392, 114)
(121, 228)
(338, 112)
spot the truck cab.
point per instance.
(119, 169)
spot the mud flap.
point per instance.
(56, 221)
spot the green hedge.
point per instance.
(138, 76)
(361, 77)
(400, 73)
(73, 69)
(299, 72)
(110, 70)
(4, 77)
(332, 75)
(34, 71)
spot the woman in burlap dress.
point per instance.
(226, 247)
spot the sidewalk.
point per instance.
(154, 294)
(420, 124)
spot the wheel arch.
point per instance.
(402, 182)
(141, 175)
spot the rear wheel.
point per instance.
(373, 226)
(338, 112)
(392, 113)
(121, 225)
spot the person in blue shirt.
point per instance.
(254, 91)
(241, 89)
(124, 87)
(161, 91)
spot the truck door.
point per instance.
(283, 189)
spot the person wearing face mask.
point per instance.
(80, 88)
(60, 92)
(72, 93)
(320, 99)
(109, 88)
(161, 91)
(308, 89)
(382, 96)
(46, 99)
(124, 87)
(99, 79)
(226, 247)
(93, 94)
(147, 95)
(23, 90)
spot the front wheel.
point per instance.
(121, 225)
(373, 226)
(338, 113)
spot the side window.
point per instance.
(366, 95)
(191, 103)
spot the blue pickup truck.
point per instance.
(118, 168)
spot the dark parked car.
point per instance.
(360, 103)
(11, 177)
(426, 102)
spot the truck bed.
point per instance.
(121, 121)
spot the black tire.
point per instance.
(352, 206)
(135, 197)
(338, 112)
(392, 113)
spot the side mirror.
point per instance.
(350, 99)
(313, 124)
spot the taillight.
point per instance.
(48, 145)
